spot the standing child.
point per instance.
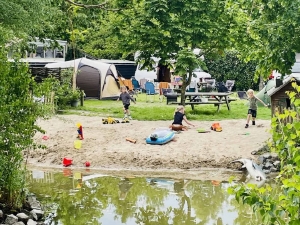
(179, 116)
(125, 97)
(252, 111)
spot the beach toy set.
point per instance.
(77, 145)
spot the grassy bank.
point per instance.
(161, 111)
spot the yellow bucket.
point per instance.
(77, 144)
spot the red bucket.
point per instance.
(67, 161)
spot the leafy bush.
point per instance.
(64, 93)
(19, 113)
(230, 67)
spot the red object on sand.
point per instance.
(45, 137)
(67, 162)
(87, 164)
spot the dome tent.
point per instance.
(96, 79)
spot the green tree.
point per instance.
(30, 18)
(101, 37)
(171, 30)
(231, 67)
(266, 32)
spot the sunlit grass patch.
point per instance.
(156, 110)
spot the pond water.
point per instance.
(81, 198)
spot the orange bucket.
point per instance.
(67, 161)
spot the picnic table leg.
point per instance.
(227, 102)
(192, 105)
(219, 99)
(218, 109)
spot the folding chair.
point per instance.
(162, 86)
(142, 84)
(211, 85)
(242, 95)
(150, 90)
(136, 86)
(229, 84)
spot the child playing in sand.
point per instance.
(252, 111)
(125, 97)
(179, 116)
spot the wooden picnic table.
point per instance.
(215, 98)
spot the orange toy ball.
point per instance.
(87, 164)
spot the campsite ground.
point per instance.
(105, 147)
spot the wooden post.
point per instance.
(81, 97)
(52, 101)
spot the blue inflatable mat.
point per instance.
(163, 137)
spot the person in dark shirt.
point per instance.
(125, 97)
(179, 116)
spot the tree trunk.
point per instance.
(183, 89)
(186, 80)
(261, 83)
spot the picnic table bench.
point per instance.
(215, 103)
(214, 98)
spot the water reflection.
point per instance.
(86, 198)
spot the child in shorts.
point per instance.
(125, 97)
(252, 111)
(179, 116)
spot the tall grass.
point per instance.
(157, 110)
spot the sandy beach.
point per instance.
(105, 145)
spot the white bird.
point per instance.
(253, 169)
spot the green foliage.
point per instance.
(75, 95)
(266, 32)
(230, 67)
(33, 18)
(280, 207)
(17, 123)
(171, 30)
(64, 93)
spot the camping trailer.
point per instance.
(98, 80)
(41, 53)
